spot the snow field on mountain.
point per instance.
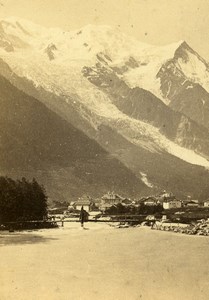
(145, 179)
(63, 81)
(63, 76)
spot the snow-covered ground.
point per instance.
(103, 263)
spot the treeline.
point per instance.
(21, 200)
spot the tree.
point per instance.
(21, 200)
(119, 209)
(149, 210)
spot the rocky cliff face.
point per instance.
(185, 83)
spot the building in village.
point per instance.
(96, 202)
(84, 201)
(168, 200)
(165, 196)
(174, 203)
(150, 201)
(127, 202)
(111, 198)
(206, 203)
(192, 203)
(104, 206)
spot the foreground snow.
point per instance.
(103, 263)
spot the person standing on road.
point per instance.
(83, 214)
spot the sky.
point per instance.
(157, 22)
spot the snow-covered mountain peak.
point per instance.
(85, 42)
(185, 65)
(54, 60)
(90, 38)
(21, 34)
(16, 26)
(95, 36)
(81, 47)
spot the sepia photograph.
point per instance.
(104, 150)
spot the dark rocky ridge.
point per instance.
(185, 95)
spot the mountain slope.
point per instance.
(193, 101)
(162, 170)
(96, 79)
(35, 141)
(63, 77)
(143, 105)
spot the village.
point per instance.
(165, 200)
(162, 212)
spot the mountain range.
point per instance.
(92, 110)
